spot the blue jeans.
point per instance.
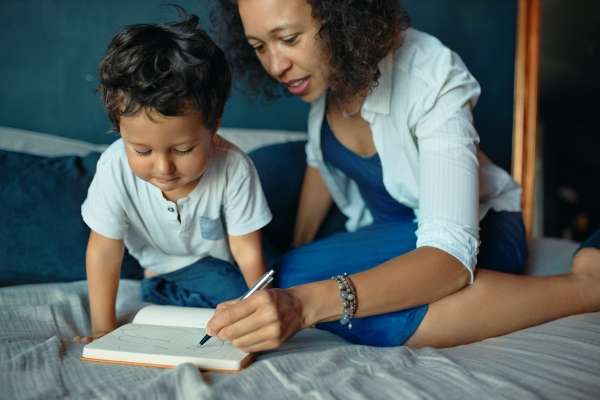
(206, 283)
(504, 250)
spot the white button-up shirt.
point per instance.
(420, 115)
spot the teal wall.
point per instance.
(483, 33)
(50, 51)
(50, 55)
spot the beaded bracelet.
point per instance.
(348, 296)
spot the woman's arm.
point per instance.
(315, 202)
(103, 266)
(421, 276)
(268, 318)
(247, 252)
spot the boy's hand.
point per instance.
(89, 339)
(103, 266)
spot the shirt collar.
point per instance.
(380, 98)
(378, 101)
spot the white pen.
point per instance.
(260, 284)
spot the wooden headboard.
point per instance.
(526, 105)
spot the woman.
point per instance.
(391, 138)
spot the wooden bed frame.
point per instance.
(526, 105)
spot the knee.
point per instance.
(587, 260)
(302, 265)
(289, 269)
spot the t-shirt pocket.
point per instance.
(211, 229)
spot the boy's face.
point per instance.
(171, 153)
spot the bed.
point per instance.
(556, 360)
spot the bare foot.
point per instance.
(587, 262)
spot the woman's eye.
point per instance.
(186, 151)
(290, 39)
(258, 48)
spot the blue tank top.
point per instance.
(368, 175)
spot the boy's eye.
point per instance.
(186, 151)
(143, 152)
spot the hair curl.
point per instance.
(355, 34)
(168, 68)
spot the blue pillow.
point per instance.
(281, 170)
(42, 236)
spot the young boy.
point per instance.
(185, 203)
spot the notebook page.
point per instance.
(152, 344)
(191, 317)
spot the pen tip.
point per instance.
(204, 339)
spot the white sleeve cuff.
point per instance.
(311, 158)
(460, 242)
(104, 226)
(252, 226)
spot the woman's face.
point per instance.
(285, 37)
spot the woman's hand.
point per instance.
(261, 322)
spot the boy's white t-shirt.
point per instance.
(228, 200)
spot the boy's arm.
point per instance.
(103, 266)
(247, 252)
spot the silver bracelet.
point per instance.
(348, 296)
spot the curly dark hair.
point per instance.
(355, 34)
(170, 68)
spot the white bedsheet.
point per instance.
(557, 360)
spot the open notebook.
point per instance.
(164, 336)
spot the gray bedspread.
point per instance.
(558, 360)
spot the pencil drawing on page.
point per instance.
(136, 338)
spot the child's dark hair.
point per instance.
(170, 68)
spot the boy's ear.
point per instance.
(218, 125)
